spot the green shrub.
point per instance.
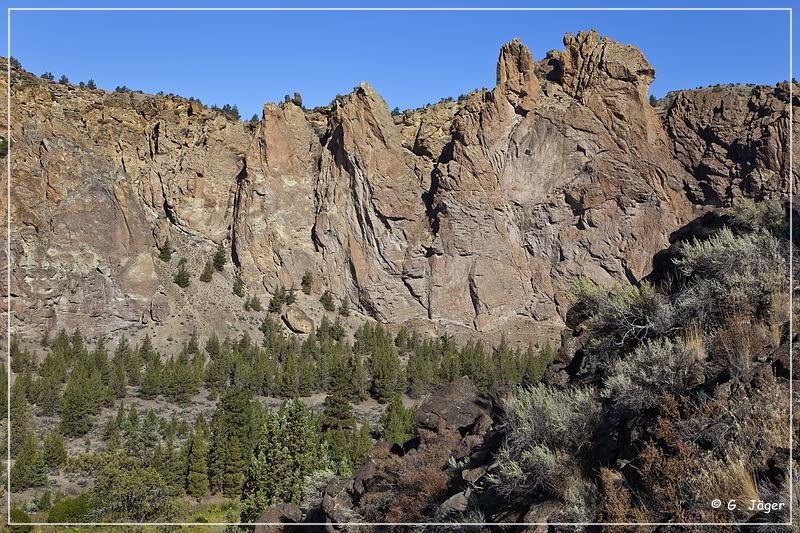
(307, 282)
(327, 301)
(220, 258)
(19, 516)
(277, 300)
(238, 286)
(182, 278)
(165, 251)
(208, 273)
(69, 510)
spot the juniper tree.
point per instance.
(29, 468)
(182, 277)
(397, 422)
(267, 480)
(151, 379)
(277, 300)
(165, 251)
(361, 445)
(208, 273)
(235, 468)
(238, 286)
(197, 473)
(337, 413)
(234, 417)
(344, 308)
(76, 408)
(53, 449)
(307, 282)
(327, 301)
(220, 258)
(291, 296)
(299, 436)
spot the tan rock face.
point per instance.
(466, 215)
(733, 140)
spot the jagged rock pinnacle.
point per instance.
(516, 78)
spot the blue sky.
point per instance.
(411, 58)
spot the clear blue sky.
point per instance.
(411, 58)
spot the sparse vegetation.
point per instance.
(327, 301)
(220, 258)
(238, 286)
(165, 251)
(182, 277)
(208, 273)
(307, 282)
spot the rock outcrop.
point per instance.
(464, 216)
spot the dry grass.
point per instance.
(694, 339)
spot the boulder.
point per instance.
(297, 320)
(273, 516)
(456, 406)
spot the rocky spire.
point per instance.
(516, 79)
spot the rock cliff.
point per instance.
(463, 216)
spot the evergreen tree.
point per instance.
(21, 359)
(174, 472)
(29, 468)
(55, 453)
(182, 278)
(197, 476)
(357, 377)
(421, 374)
(291, 296)
(397, 422)
(238, 286)
(111, 434)
(149, 430)
(385, 367)
(337, 412)
(475, 364)
(506, 365)
(362, 444)
(220, 258)
(236, 416)
(327, 301)
(344, 308)
(534, 364)
(290, 376)
(255, 303)
(165, 252)
(76, 406)
(235, 468)
(338, 448)
(150, 386)
(450, 367)
(208, 273)
(267, 480)
(277, 301)
(299, 436)
(307, 282)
